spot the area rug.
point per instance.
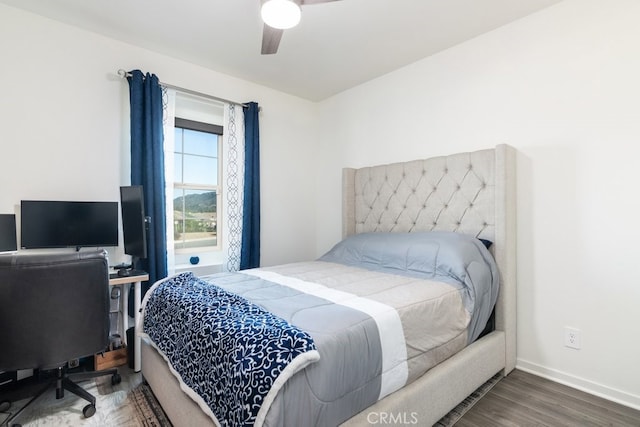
(128, 404)
(456, 413)
(148, 411)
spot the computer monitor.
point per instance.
(134, 222)
(8, 240)
(60, 224)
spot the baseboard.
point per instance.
(582, 384)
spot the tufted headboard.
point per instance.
(472, 193)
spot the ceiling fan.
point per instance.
(279, 15)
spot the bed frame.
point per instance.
(472, 193)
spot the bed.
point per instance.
(472, 194)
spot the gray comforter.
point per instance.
(381, 309)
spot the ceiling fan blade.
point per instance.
(270, 39)
(271, 36)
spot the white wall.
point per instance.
(563, 87)
(64, 125)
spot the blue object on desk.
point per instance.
(194, 260)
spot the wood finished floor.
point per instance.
(522, 399)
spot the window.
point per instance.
(196, 178)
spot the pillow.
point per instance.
(421, 254)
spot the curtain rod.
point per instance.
(124, 74)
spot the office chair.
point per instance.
(54, 308)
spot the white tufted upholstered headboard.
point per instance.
(472, 193)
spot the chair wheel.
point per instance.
(89, 410)
(116, 379)
(5, 405)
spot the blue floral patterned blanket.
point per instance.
(231, 352)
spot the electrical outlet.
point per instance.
(572, 337)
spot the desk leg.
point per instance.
(124, 302)
(138, 326)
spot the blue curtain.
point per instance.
(250, 248)
(147, 167)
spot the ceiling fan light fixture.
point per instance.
(280, 14)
